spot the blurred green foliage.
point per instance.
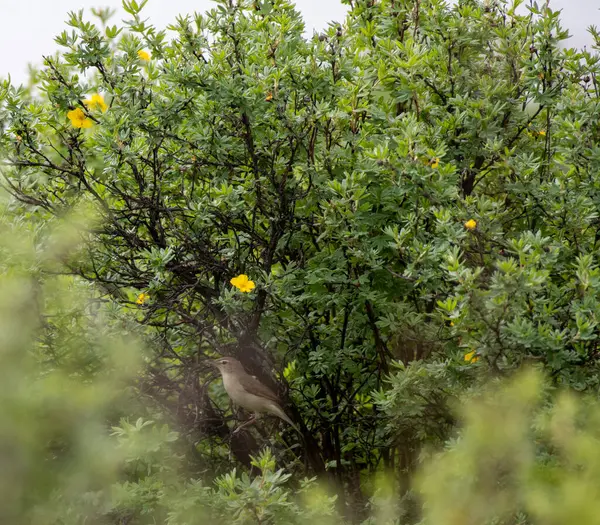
(415, 195)
(525, 454)
(66, 363)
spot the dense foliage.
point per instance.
(414, 196)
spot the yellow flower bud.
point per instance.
(142, 298)
(471, 357)
(242, 283)
(79, 119)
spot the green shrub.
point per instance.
(417, 185)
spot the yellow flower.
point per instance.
(95, 101)
(242, 283)
(142, 298)
(144, 55)
(471, 357)
(471, 224)
(542, 133)
(435, 163)
(269, 97)
(78, 119)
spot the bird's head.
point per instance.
(227, 365)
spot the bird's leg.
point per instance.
(250, 421)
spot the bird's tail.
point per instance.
(277, 410)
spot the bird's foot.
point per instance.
(251, 421)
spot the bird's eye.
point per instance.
(224, 361)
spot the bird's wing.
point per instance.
(251, 384)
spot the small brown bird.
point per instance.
(248, 392)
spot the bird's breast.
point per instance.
(241, 397)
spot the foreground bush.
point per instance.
(525, 453)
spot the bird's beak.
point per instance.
(208, 365)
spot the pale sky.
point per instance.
(28, 27)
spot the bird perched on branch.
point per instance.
(248, 392)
